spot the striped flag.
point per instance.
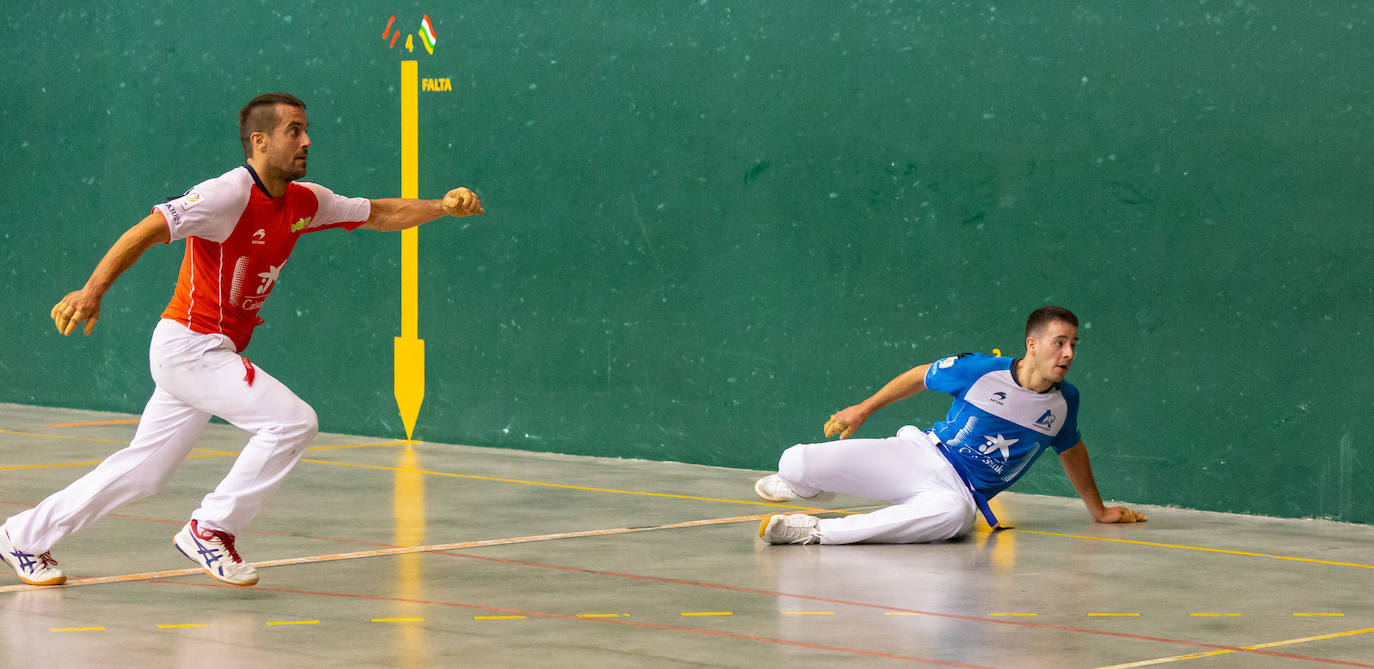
(427, 34)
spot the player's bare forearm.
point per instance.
(846, 421)
(1079, 470)
(84, 305)
(390, 214)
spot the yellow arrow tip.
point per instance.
(410, 380)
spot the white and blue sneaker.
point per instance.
(32, 569)
(214, 551)
(774, 489)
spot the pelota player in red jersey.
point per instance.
(240, 228)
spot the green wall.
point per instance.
(710, 224)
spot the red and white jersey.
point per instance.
(237, 241)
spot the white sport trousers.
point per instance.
(929, 500)
(197, 376)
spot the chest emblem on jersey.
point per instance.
(301, 224)
(260, 237)
(1046, 420)
(268, 278)
(997, 443)
(998, 398)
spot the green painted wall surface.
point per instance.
(710, 224)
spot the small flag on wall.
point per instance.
(427, 34)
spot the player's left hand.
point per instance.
(1120, 514)
(462, 202)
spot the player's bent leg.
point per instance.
(888, 469)
(166, 433)
(933, 515)
(283, 426)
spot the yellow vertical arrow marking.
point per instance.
(410, 349)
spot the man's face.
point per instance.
(1052, 352)
(288, 143)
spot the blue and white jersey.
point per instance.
(995, 427)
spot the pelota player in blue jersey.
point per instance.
(1006, 413)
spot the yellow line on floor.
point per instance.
(1014, 614)
(499, 617)
(1211, 653)
(207, 453)
(565, 486)
(1199, 548)
(1115, 615)
(122, 421)
(62, 436)
(398, 550)
(708, 613)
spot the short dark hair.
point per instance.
(1045, 315)
(260, 115)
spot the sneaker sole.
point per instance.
(52, 581)
(212, 574)
(763, 526)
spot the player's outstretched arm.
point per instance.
(390, 214)
(1080, 472)
(846, 421)
(84, 305)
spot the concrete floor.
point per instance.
(530, 559)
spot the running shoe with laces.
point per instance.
(32, 569)
(774, 489)
(214, 551)
(790, 528)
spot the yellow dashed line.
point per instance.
(1272, 644)
(498, 617)
(1013, 614)
(708, 613)
(603, 615)
(1122, 615)
(1199, 548)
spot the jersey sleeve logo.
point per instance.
(946, 363)
(192, 198)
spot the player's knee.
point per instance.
(301, 424)
(792, 464)
(955, 518)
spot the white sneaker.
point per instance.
(32, 569)
(214, 551)
(790, 528)
(774, 489)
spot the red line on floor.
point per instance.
(949, 616)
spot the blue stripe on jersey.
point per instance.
(995, 427)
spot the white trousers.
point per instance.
(197, 376)
(929, 500)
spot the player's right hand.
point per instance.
(77, 307)
(845, 422)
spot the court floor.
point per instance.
(384, 553)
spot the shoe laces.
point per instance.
(226, 539)
(47, 560)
